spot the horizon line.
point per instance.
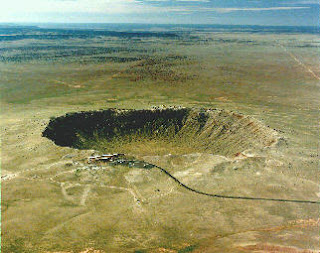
(133, 23)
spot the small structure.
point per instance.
(104, 158)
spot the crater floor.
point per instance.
(54, 201)
(161, 131)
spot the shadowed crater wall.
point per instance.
(200, 130)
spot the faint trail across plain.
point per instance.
(300, 62)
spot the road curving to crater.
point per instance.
(209, 130)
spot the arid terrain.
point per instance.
(262, 141)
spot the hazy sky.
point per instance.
(251, 12)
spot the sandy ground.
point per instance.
(52, 201)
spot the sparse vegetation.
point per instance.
(54, 201)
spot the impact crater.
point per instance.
(160, 131)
